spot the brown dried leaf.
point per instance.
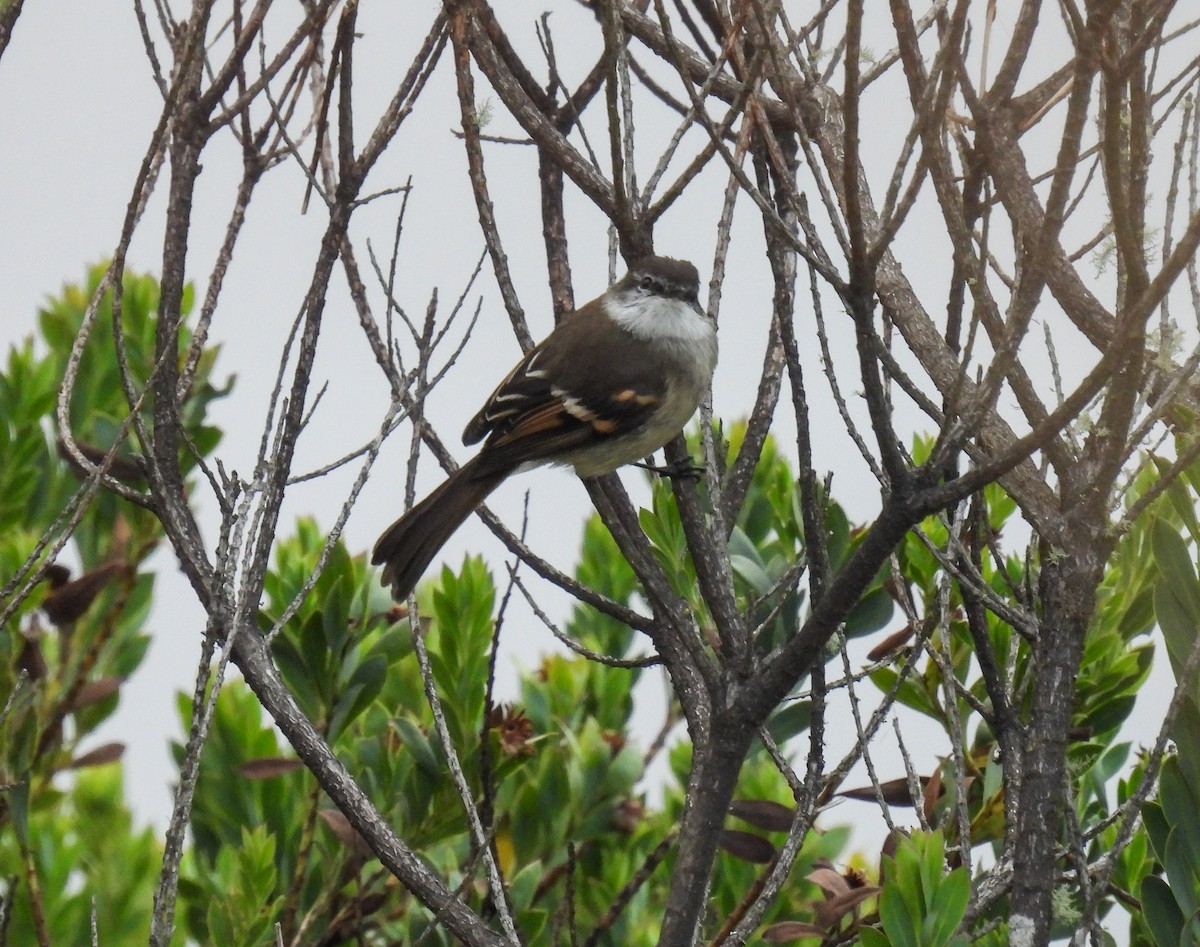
(95, 691)
(397, 613)
(831, 911)
(268, 767)
(340, 826)
(785, 932)
(890, 844)
(855, 878)
(895, 792)
(614, 738)
(933, 792)
(747, 846)
(105, 753)
(627, 816)
(832, 883)
(513, 729)
(764, 814)
(119, 538)
(891, 644)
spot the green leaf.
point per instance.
(294, 671)
(315, 653)
(392, 644)
(335, 614)
(931, 864)
(1183, 869)
(911, 692)
(1109, 715)
(364, 687)
(1157, 828)
(1138, 616)
(1182, 502)
(1162, 914)
(1176, 594)
(18, 800)
(870, 937)
(789, 720)
(873, 611)
(1179, 801)
(897, 917)
(951, 905)
(747, 562)
(419, 746)
(524, 885)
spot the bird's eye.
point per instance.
(647, 283)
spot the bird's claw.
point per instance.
(683, 469)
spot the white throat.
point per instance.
(657, 318)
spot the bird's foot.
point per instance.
(684, 469)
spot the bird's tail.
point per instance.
(408, 546)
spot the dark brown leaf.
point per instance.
(763, 814)
(933, 792)
(830, 912)
(70, 600)
(855, 878)
(105, 753)
(614, 738)
(268, 767)
(747, 846)
(832, 883)
(890, 844)
(785, 932)
(895, 792)
(345, 832)
(349, 921)
(94, 691)
(32, 661)
(56, 576)
(627, 816)
(397, 613)
(891, 644)
(127, 471)
(370, 903)
(119, 538)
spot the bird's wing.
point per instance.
(545, 407)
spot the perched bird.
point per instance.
(613, 382)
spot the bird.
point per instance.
(613, 382)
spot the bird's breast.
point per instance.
(683, 395)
